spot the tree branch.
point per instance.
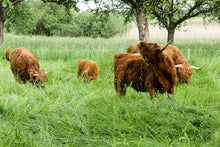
(188, 14)
(7, 8)
(16, 2)
(56, 1)
(131, 3)
(160, 19)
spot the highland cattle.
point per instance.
(25, 67)
(88, 69)
(184, 70)
(150, 71)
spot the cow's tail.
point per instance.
(7, 53)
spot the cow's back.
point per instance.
(132, 49)
(93, 69)
(21, 61)
(131, 70)
(88, 67)
(175, 54)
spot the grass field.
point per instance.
(69, 112)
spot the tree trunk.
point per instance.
(171, 35)
(2, 20)
(2, 31)
(142, 23)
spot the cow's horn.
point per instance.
(179, 65)
(165, 45)
(198, 68)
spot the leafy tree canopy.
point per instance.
(177, 11)
(67, 3)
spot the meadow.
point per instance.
(70, 112)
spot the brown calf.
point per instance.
(156, 72)
(87, 69)
(25, 67)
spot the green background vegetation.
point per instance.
(37, 18)
(70, 112)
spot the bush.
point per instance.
(36, 18)
(97, 25)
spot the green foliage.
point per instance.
(69, 112)
(216, 13)
(9, 3)
(67, 3)
(51, 18)
(24, 17)
(171, 14)
(98, 25)
(35, 17)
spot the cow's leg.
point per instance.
(14, 71)
(21, 78)
(171, 91)
(120, 87)
(116, 83)
(79, 71)
(85, 75)
(153, 94)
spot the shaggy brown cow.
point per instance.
(25, 67)
(87, 69)
(184, 70)
(156, 72)
(132, 49)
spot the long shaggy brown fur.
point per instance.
(132, 49)
(184, 72)
(25, 67)
(130, 70)
(161, 63)
(142, 75)
(88, 69)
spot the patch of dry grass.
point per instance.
(196, 28)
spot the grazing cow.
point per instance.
(184, 70)
(151, 71)
(88, 69)
(25, 67)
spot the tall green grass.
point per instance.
(70, 112)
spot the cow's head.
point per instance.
(149, 50)
(39, 79)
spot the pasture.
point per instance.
(70, 112)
